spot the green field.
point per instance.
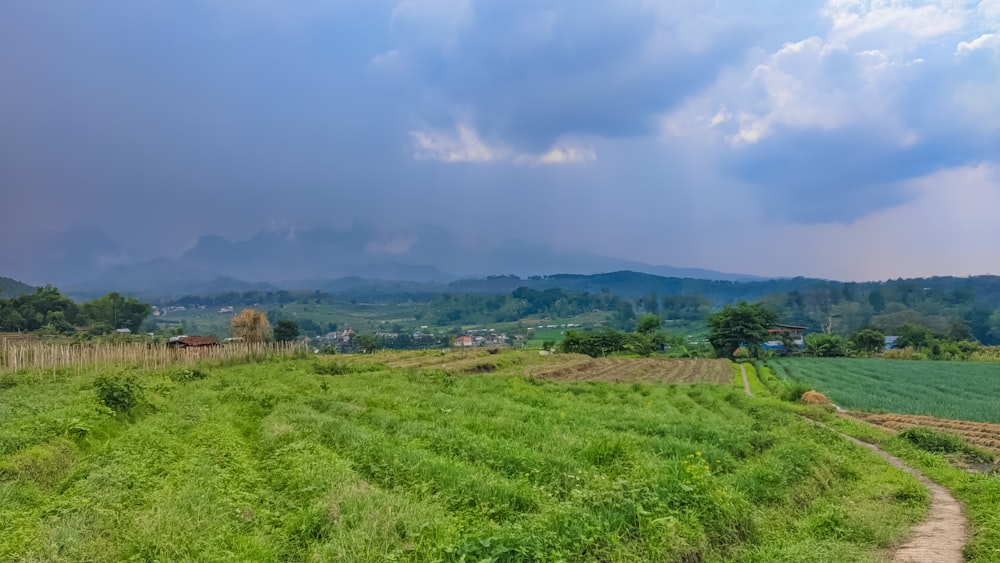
(959, 390)
(281, 461)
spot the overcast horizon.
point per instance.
(846, 139)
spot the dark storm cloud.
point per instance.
(161, 121)
(529, 72)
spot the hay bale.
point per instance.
(815, 398)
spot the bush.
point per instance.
(121, 394)
(792, 391)
(182, 375)
(939, 443)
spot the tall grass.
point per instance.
(17, 356)
(288, 461)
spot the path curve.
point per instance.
(941, 536)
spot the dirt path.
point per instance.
(746, 382)
(941, 536)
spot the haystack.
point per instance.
(815, 398)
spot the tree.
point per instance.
(368, 343)
(648, 324)
(914, 336)
(251, 326)
(115, 311)
(742, 325)
(286, 330)
(868, 340)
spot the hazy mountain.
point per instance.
(422, 254)
(10, 288)
(85, 261)
(64, 257)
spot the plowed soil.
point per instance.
(982, 434)
(634, 370)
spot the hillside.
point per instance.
(351, 460)
(12, 288)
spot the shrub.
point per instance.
(182, 375)
(121, 394)
(793, 391)
(939, 443)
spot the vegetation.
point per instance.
(10, 288)
(965, 391)
(979, 493)
(286, 330)
(868, 340)
(273, 461)
(941, 443)
(251, 326)
(646, 340)
(742, 326)
(825, 345)
(48, 311)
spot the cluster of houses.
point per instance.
(481, 337)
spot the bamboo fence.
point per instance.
(18, 356)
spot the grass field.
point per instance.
(956, 390)
(281, 461)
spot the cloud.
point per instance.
(838, 119)
(465, 145)
(529, 73)
(984, 41)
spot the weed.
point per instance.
(120, 393)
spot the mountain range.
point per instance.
(86, 261)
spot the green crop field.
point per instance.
(959, 390)
(333, 460)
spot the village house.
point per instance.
(192, 341)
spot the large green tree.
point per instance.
(113, 311)
(743, 325)
(868, 340)
(286, 330)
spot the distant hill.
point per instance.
(10, 288)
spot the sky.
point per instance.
(846, 139)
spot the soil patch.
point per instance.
(645, 370)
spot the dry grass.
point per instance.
(18, 355)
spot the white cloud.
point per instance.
(558, 155)
(462, 146)
(853, 19)
(465, 145)
(984, 41)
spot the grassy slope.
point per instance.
(274, 462)
(959, 390)
(978, 493)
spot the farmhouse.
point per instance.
(192, 341)
(464, 341)
(779, 334)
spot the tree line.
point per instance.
(48, 311)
